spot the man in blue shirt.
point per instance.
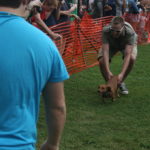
(132, 6)
(29, 64)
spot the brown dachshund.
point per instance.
(110, 89)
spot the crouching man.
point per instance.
(118, 36)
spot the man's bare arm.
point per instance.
(127, 56)
(105, 48)
(45, 28)
(54, 98)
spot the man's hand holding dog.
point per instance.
(120, 78)
(109, 75)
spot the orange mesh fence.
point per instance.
(82, 40)
(141, 24)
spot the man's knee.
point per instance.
(132, 59)
(134, 54)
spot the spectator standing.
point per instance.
(110, 8)
(141, 6)
(51, 11)
(38, 17)
(98, 8)
(30, 64)
(64, 14)
(132, 7)
(118, 36)
(120, 7)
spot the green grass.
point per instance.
(94, 125)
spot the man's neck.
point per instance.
(16, 11)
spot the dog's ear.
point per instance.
(102, 88)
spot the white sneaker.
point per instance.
(123, 89)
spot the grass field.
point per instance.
(93, 125)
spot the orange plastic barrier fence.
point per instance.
(141, 24)
(82, 40)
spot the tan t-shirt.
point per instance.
(127, 37)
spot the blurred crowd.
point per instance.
(101, 8)
(47, 13)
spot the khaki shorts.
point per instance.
(113, 52)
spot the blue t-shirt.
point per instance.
(28, 60)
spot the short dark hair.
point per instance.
(117, 20)
(12, 3)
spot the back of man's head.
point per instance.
(12, 3)
(117, 20)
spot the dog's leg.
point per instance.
(113, 95)
(117, 93)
